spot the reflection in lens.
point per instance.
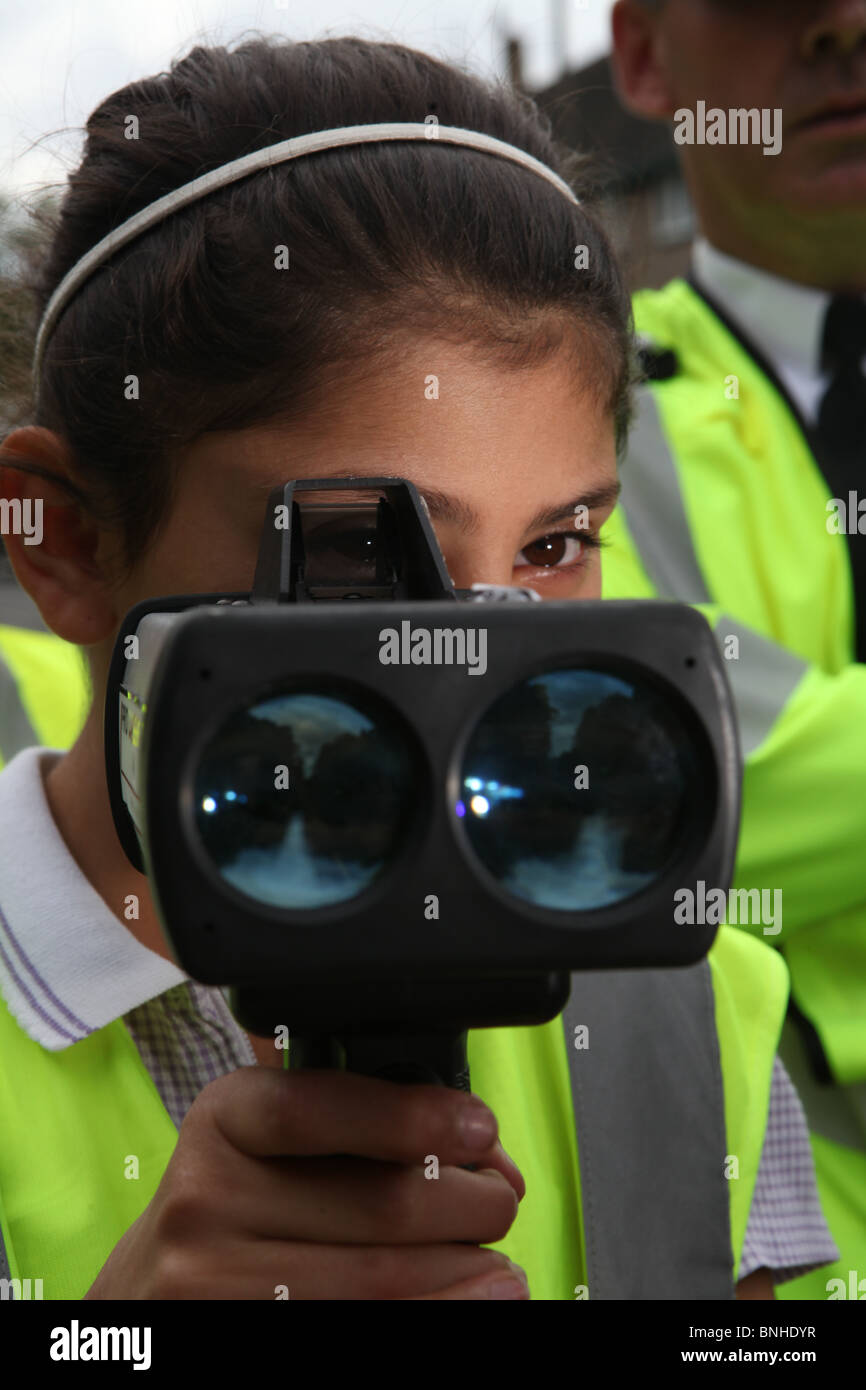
(301, 800)
(573, 789)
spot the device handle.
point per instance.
(433, 1059)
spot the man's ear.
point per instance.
(636, 61)
(55, 551)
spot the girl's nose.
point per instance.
(479, 564)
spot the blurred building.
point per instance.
(633, 175)
(17, 609)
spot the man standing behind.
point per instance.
(744, 486)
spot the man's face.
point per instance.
(806, 57)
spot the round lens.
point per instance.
(573, 789)
(301, 800)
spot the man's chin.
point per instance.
(826, 193)
(827, 173)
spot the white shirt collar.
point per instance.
(784, 320)
(68, 966)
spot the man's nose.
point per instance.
(838, 30)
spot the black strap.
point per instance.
(649, 1104)
(811, 1041)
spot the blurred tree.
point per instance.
(24, 235)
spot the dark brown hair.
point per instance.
(384, 241)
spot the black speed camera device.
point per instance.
(380, 811)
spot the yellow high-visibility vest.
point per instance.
(724, 506)
(43, 691)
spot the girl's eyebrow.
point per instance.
(592, 500)
(443, 507)
(446, 508)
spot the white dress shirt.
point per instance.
(784, 320)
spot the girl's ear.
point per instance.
(53, 548)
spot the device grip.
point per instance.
(432, 1059)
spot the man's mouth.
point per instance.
(843, 114)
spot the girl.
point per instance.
(286, 325)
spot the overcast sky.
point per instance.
(60, 58)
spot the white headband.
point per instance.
(263, 159)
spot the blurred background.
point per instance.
(62, 57)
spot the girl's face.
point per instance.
(503, 459)
(518, 469)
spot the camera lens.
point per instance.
(301, 799)
(576, 789)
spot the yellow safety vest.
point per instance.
(724, 506)
(85, 1138)
(43, 691)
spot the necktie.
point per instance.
(842, 418)
(840, 438)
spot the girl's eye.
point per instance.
(560, 550)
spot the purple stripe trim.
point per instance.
(77, 1023)
(33, 1002)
